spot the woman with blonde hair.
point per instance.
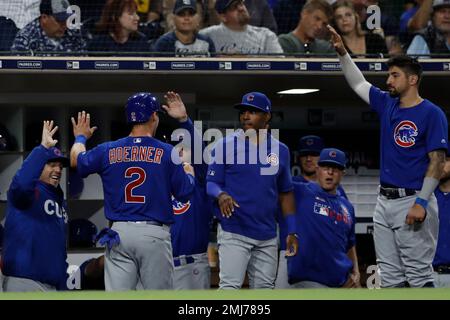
(356, 41)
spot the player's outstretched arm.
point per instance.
(21, 190)
(353, 75)
(82, 131)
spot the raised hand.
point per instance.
(47, 134)
(336, 41)
(83, 125)
(175, 107)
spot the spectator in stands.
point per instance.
(48, 34)
(118, 29)
(236, 36)
(435, 39)
(91, 11)
(417, 17)
(356, 41)
(185, 40)
(150, 10)
(8, 31)
(287, 14)
(204, 8)
(441, 262)
(389, 30)
(22, 12)
(304, 38)
(260, 14)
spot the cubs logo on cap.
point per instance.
(333, 157)
(310, 145)
(405, 133)
(255, 100)
(56, 155)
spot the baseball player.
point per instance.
(414, 135)
(326, 230)
(247, 198)
(34, 248)
(139, 178)
(190, 231)
(441, 262)
(309, 149)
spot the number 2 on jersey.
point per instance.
(138, 181)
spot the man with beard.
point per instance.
(235, 36)
(304, 38)
(414, 134)
(435, 39)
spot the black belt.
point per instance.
(181, 261)
(443, 269)
(396, 193)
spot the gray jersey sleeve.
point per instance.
(272, 45)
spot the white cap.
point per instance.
(441, 3)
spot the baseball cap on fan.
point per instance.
(255, 100)
(222, 5)
(437, 4)
(55, 8)
(181, 5)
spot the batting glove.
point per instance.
(108, 237)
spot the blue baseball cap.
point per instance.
(181, 5)
(56, 155)
(56, 8)
(222, 5)
(256, 100)
(334, 157)
(310, 145)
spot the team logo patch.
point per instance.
(57, 152)
(272, 159)
(332, 154)
(405, 133)
(309, 142)
(250, 98)
(180, 207)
